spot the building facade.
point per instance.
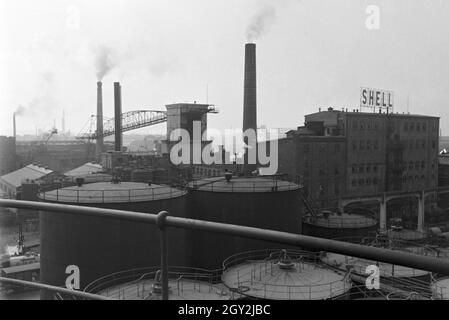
(356, 154)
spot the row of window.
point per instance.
(366, 125)
(322, 147)
(362, 169)
(415, 126)
(365, 145)
(321, 172)
(365, 182)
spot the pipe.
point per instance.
(118, 116)
(377, 254)
(47, 287)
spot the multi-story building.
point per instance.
(358, 154)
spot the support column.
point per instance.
(161, 217)
(383, 214)
(421, 211)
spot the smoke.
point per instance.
(105, 61)
(20, 110)
(261, 23)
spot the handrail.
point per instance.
(383, 255)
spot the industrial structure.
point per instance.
(103, 246)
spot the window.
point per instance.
(368, 181)
(376, 145)
(376, 125)
(336, 171)
(361, 169)
(368, 145)
(354, 145)
(362, 145)
(412, 126)
(375, 169)
(424, 127)
(306, 148)
(418, 127)
(375, 181)
(406, 126)
(354, 168)
(362, 125)
(368, 169)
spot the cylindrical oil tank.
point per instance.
(284, 275)
(145, 284)
(101, 246)
(261, 202)
(396, 276)
(334, 224)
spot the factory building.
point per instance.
(11, 183)
(356, 154)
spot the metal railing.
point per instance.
(256, 278)
(135, 282)
(76, 195)
(163, 221)
(265, 184)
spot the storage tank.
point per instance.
(284, 275)
(261, 202)
(400, 277)
(145, 284)
(331, 224)
(101, 246)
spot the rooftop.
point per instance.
(30, 172)
(351, 112)
(87, 168)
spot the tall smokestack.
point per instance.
(14, 126)
(118, 116)
(99, 145)
(250, 105)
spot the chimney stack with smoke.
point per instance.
(99, 145)
(118, 116)
(250, 104)
(14, 126)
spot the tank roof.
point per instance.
(107, 192)
(344, 220)
(386, 269)
(243, 184)
(266, 275)
(145, 284)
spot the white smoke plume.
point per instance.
(261, 23)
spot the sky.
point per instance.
(310, 54)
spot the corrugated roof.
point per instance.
(87, 168)
(31, 172)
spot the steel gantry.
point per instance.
(130, 121)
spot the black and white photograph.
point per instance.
(225, 155)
